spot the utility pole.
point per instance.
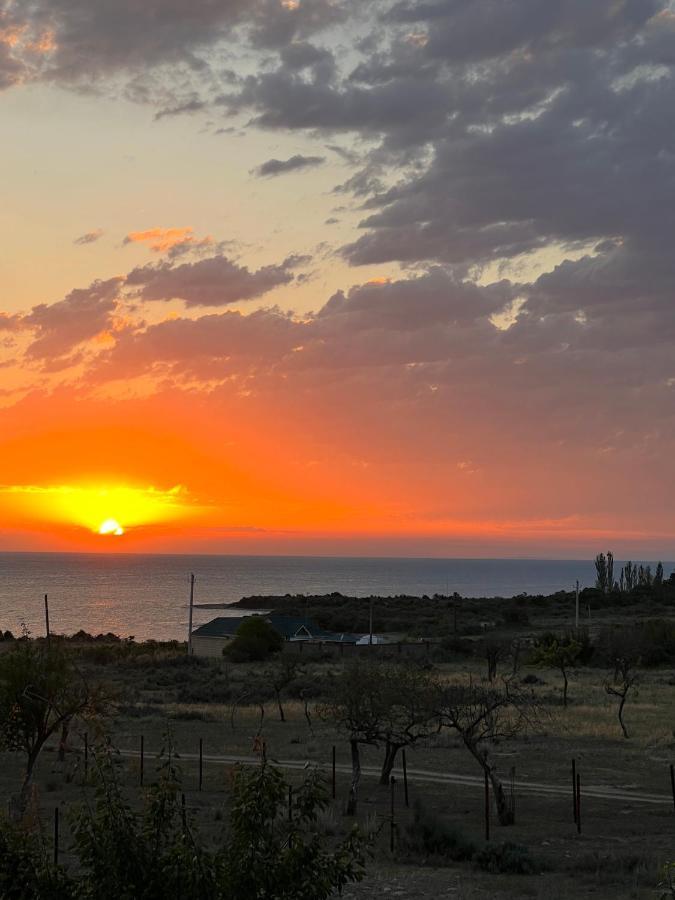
(576, 608)
(192, 598)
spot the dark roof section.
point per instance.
(287, 626)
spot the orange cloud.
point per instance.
(160, 240)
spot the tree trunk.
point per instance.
(24, 794)
(356, 777)
(63, 742)
(389, 758)
(621, 723)
(505, 811)
(282, 717)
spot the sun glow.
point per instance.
(111, 526)
(99, 508)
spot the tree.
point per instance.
(408, 710)
(123, 852)
(41, 690)
(625, 678)
(558, 653)
(280, 677)
(493, 651)
(255, 639)
(482, 713)
(601, 572)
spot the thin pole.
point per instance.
(672, 782)
(86, 755)
(370, 617)
(392, 827)
(201, 762)
(333, 779)
(192, 600)
(574, 789)
(142, 758)
(487, 808)
(576, 607)
(56, 835)
(47, 621)
(405, 778)
(290, 803)
(578, 803)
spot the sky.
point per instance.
(332, 277)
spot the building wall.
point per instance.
(209, 646)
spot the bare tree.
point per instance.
(280, 677)
(625, 678)
(494, 650)
(559, 653)
(482, 713)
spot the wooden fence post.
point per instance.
(574, 789)
(290, 803)
(578, 803)
(405, 779)
(56, 835)
(392, 824)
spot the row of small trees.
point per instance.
(632, 576)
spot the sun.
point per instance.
(111, 526)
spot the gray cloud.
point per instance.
(274, 167)
(215, 281)
(90, 237)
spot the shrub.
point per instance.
(507, 859)
(427, 836)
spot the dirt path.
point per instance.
(599, 792)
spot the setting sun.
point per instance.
(111, 526)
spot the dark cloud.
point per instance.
(274, 167)
(90, 237)
(61, 327)
(216, 281)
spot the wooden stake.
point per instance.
(578, 803)
(574, 789)
(487, 807)
(405, 779)
(333, 779)
(392, 824)
(56, 835)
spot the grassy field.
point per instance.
(618, 854)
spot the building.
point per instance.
(211, 638)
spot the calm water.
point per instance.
(146, 596)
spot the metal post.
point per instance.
(574, 789)
(142, 758)
(405, 778)
(578, 803)
(47, 621)
(201, 762)
(56, 835)
(333, 779)
(192, 599)
(487, 807)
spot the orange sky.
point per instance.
(266, 287)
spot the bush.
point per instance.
(255, 640)
(505, 859)
(430, 838)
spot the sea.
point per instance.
(147, 596)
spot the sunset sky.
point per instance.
(338, 277)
